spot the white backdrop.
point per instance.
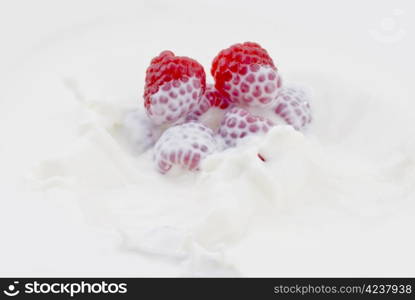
(104, 47)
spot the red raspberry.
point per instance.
(184, 145)
(173, 87)
(215, 98)
(211, 98)
(239, 123)
(293, 106)
(246, 74)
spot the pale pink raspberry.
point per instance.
(293, 106)
(238, 123)
(184, 145)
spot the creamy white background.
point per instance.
(104, 46)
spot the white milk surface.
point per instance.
(80, 195)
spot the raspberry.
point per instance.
(293, 106)
(246, 74)
(173, 87)
(202, 107)
(139, 131)
(215, 98)
(184, 145)
(239, 123)
(210, 98)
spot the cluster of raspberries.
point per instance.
(248, 91)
